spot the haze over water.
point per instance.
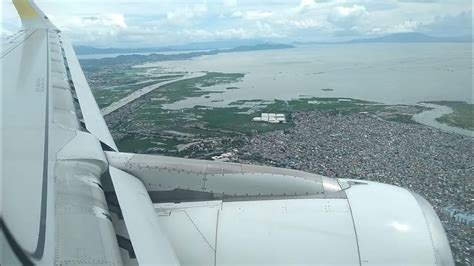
(388, 73)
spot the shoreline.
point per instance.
(429, 118)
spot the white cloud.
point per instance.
(253, 15)
(307, 3)
(99, 28)
(230, 3)
(164, 22)
(349, 20)
(260, 30)
(451, 25)
(116, 20)
(353, 11)
(407, 26)
(186, 14)
(306, 23)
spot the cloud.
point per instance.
(348, 20)
(230, 3)
(166, 22)
(306, 23)
(353, 11)
(110, 21)
(418, 1)
(257, 15)
(450, 25)
(307, 3)
(406, 26)
(186, 14)
(115, 20)
(260, 30)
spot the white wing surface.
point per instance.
(53, 207)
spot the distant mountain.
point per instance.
(403, 37)
(223, 44)
(258, 47)
(213, 45)
(88, 50)
(411, 37)
(136, 59)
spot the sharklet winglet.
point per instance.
(31, 16)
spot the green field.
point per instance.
(201, 122)
(183, 89)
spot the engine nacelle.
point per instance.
(228, 214)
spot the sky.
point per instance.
(154, 23)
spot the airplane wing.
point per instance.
(53, 209)
(70, 197)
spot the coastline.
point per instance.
(430, 117)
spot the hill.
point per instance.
(411, 37)
(403, 37)
(212, 45)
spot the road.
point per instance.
(139, 93)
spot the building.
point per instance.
(449, 211)
(223, 157)
(465, 218)
(270, 118)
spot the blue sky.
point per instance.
(143, 23)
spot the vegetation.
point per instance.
(188, 125)
(462, 116)
(192, 87)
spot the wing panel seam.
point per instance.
(197, 228)
(18, 44)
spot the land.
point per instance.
(126, 61)
(196, 46)
(401, 37)
(462, 115)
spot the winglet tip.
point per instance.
(25, 9)
(31, 16)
